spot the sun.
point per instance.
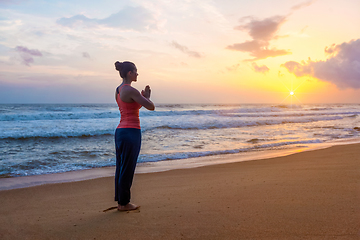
(291, 95)
(292, 92)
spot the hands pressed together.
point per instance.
(146, 92)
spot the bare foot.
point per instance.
(128, 207)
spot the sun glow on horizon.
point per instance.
(291, 91)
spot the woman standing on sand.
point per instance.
(128, 132)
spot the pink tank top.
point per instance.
(129, 112)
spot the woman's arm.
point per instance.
(143, 98)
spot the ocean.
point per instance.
(38, 139)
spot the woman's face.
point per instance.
(133, 75)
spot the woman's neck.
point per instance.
(126, 81)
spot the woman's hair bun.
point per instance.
(118, 65)
(124, 67)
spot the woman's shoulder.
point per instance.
(128, 93)
(128, 88)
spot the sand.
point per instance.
(307, 195)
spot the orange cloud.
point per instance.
(260, 69)
(262, 32)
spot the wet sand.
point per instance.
(308, 195)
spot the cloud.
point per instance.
(262, 32)
(299, 69)
(33, 52)
(86, 55)
(77, 20)
(260, 69)
(303, 29)
(27, 54)
(342, 68)
(301, 5)
(185, 50)
(11, 2)
(233, 68)
(129, 18)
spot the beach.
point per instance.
(306, 195)
(239, 120)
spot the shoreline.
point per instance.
(161, 166)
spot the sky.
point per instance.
(188, 51)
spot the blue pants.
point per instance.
(127, 144)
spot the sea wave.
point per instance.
(57, 136)
(78, 129)
(58, 115)
(255, 140)
(258, 147)
(229, 123)
(68, 113)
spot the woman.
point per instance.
(128, 132)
